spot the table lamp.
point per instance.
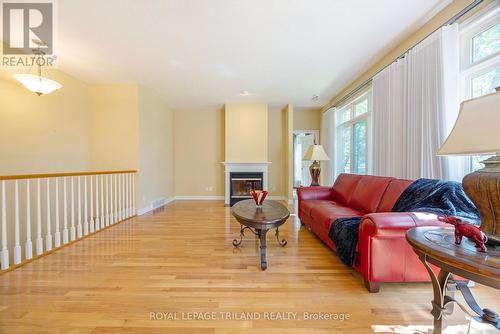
(315, 153)
(477, 132)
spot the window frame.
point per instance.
(469, 70)
(472, 28)
(365, 94)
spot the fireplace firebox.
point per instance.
(241, 184)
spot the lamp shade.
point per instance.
(476, 130)
(37, 84)
(316, 152)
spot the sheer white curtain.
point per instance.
(415, 103)
(327, 140)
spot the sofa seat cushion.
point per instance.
(326, 214)
(307, 206)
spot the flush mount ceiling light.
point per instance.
(244, 93)
(36, 83)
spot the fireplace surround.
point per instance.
(241, 184)
(244, 170)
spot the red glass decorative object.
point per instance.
(467, 230)
(259, 196)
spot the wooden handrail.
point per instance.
(43, 176)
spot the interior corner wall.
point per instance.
(306, 118)
(43, 134)
(132, 128)
(114, 127)
(156, 149)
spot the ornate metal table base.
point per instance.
(443, 303)
(262, 235)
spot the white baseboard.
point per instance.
(199, 198)
(154, 205)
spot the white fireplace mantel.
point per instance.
(243, 167)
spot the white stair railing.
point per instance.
(82, 210)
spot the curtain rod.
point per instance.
(454, 19)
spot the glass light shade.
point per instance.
(36, 84)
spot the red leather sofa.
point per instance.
(383, 254)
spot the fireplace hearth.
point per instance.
(241, 184)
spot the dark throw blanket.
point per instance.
(445, 198)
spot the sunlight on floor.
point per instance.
(475, 328)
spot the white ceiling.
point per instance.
(202, 53)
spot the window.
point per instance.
(352, 128)
(480, 60)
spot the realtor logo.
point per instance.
(23, 23)
(28, 31)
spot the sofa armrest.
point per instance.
(314, 193)
(384, 255)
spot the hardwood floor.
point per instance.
(180, 260)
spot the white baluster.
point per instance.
(65, 212)
(133, 195)
(129, 194)
(72, 229)
(91, 205)
(29, 244)
(17, 244)
(5, 249)
(107, 200)
(97, 219)
(111, 215)
(120, 203)
(127, 201)
(79, 231)
(57, 234)
(85, 208)
(103, 222)
(48, 236)
(115, 176)
(39, 240)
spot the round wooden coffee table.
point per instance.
(271, 215)
(436, 245)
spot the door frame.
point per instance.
(295, 133)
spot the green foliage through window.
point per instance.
(486, 43)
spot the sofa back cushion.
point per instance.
(344, 186)
(368, 193)
(392, 193)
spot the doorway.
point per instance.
(302, 139)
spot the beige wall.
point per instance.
(306, 118)
(156, 148)
(85, 127)
(114, 127)
(199, 152)
(43, 134)
(287, 151)
(132, 128)
(275, 149)
(246, 132)
(434, 23)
